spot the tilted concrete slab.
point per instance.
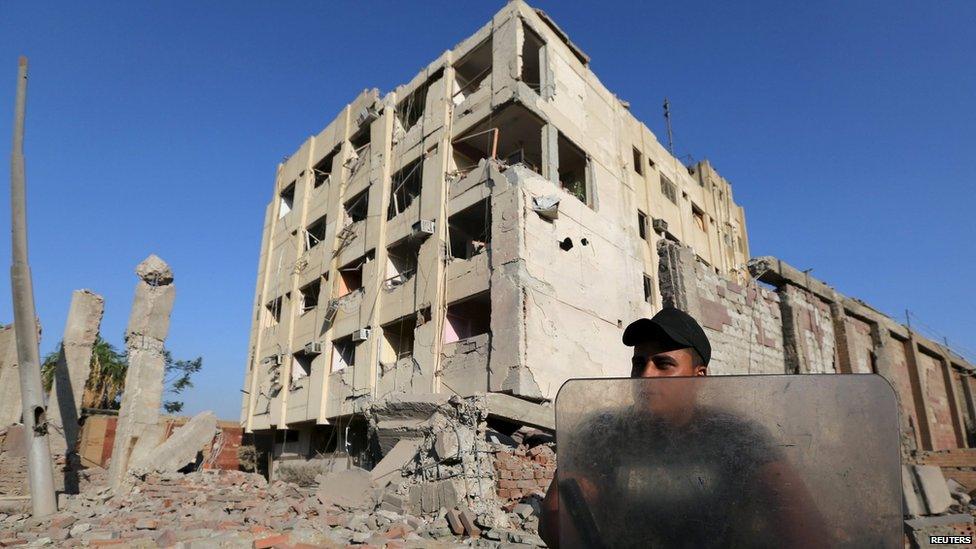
(182, 447)
(525, 412)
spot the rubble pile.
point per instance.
(236, 509)
(934, 505)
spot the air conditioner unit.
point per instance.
(424, 227)
(331, 309)
(659, 225)
(313, 348)
(361, 334)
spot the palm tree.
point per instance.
(106, 380)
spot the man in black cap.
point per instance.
(709, 479)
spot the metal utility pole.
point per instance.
(667, 121)
(39, 467)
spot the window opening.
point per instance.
(699, 216)
(315, 233)
(273, 316)
(411, 109)
(357, 207)
(405, 188)
(668, 189)
(468, 317)
(648, 289)
(287, 200)
(301, 365)
(573, 169)
(323, 170)
(343, 353)
(398, 338)
(469, 231)
(401, 261)
(638, 162)
(512, 133)
(310, 295)
(642, 224)
(351, 276)
(532, 58)
(472, 70)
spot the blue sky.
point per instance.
(848, 130)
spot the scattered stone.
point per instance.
(933, 487)
(350, 489)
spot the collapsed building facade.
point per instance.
(490, 228)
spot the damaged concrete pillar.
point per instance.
(137, 429)
(72, 369)
(677, 279)
(181, 448)
(9, 377)
(885, 351)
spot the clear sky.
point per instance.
(848, 130)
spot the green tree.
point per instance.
(107, 379)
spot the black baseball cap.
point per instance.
(673, 324)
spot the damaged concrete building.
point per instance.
(488, 227)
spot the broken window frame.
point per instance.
(310, 304)
(352, 266)
(453, 228)
(475, 81)
(409, 261)
(638, 161)
(405, 184)
(410, 110)
(668, 189)
(322, 171)
(286, 199)
(351, 207)
(343, 352)
(273, 312)
(315, 233)
(578, 189)
(642, 224)
(301, 368)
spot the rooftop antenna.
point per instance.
(39, 468)
(667, 121)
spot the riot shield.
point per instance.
(729, 461)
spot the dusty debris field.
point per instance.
(237, 509)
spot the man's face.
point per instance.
(652, 360)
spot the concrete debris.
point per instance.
(942, 520)
(933, 488)
(181, 448)
(350, 489)
(546, 206)
(911, 501)
(138, 430)
(404, 452)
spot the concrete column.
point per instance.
(677, 278)
(550, 153)
(137, 430)
(884, 349)
(845, 362)
(72, 369)
(958, 426)
(9, 377)
(918, 392)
